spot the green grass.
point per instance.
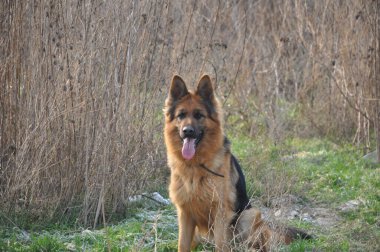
(323, 174)
(143, 231)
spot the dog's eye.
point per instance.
(181, 116)
(198, 115)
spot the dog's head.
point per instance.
(192, 116)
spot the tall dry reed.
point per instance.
(82, 83)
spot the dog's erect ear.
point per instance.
(178, 89)
(206, 92)
(205, 89)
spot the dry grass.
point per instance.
(82, 85)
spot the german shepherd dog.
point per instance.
(207, 184)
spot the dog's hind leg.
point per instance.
(253, 230)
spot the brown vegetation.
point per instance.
(82, 86)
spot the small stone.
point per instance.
(306, 217)
(351, 205)
(70, 246)
(277, 213)
(371, 157)
(293, 214)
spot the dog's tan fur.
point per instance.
(203, 188)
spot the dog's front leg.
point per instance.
(186, 230)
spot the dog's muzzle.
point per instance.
(190, 141)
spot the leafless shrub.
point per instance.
(83, 83)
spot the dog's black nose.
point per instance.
(188, 131)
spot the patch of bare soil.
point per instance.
(290, 207)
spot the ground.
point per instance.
(324, 188)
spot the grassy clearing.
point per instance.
(142, 231)
(323, 174)
(326, 176)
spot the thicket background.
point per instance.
(83, 82)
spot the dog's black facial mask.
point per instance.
(190, 124)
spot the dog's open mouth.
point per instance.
(189, 146)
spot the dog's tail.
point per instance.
(258, 234)
(291, 234)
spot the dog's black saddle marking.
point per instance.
(242, 200)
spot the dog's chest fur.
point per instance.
(198, 195)
(192, 187)
(201, 193)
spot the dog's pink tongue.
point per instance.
(188, 148)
